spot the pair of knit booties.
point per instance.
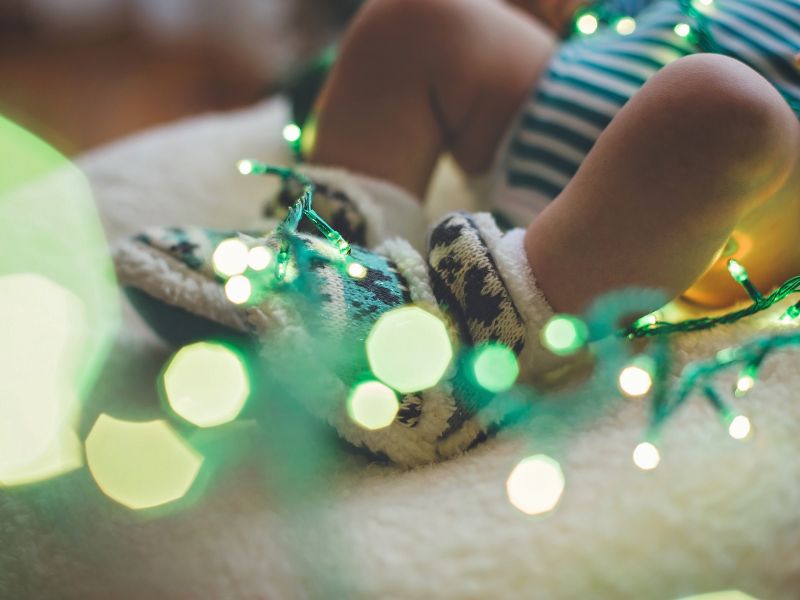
(301, 290)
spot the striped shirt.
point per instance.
(591, 77)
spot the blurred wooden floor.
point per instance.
(79, 95)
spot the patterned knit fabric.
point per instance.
(590, 78)
(461, 283)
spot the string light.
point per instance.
(372, 405)
(292, 133)
(740, 275)
(587, 24)
(238, 289)
(259, 258)
(626, 26)
(230, 257)
(140, 465)
(682, 30)
(564, 335)
(646, 456)
(408, 348)
(535, 485)
(791, 314)
(635, 381)
(206, 384)
(739, 427)
(495, 367)
(356, 270)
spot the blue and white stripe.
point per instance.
(591, 78)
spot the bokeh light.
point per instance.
(744, 384)
(245, 167)
(723, 595)
(206, 384)
(238, 289)
(535, 485)
(372, 405)
(356, 270)
(740, 427)
(408, 348)
(587, 24)
(140, 465)
(495, 367)
(564, 335)
(635, 381)
(626, 26)
(259, 258)
(41, 344)
(682, 29)
(292, 133)
(646, 456)
(231, 257)
(59, 304)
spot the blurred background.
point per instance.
(81, 73)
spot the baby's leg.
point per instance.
(417, 77)
(698, 150)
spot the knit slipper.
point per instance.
(477, 282)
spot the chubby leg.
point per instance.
(701, 149)
(419, 77)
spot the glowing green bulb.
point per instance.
(587, 24)
(737, 271)
(682, 30)
(409, 349)
(535, 485)
(635, 381)
(744, 384)
(206, 384)
(230, 257)
(245, 167)
(292, 133)
(791, 314)
(356, 270)
(372, 405)
(259, 258)
(626, 26)
(705, 2)
(495, 367)
(238, 289)
(564, 335)
(740, 428)
(140, 465)
(646, 456)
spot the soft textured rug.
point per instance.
(716, 514)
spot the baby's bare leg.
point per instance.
(418, 77)
(698, 150)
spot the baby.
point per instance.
(634, 161)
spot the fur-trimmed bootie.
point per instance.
(476, 280)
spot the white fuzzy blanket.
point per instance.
(715, 515)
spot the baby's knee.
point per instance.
(734, 116)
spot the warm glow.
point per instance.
(535, 485)
(587, 24)
(230, 257)
(206, 384)
(646, 456)
(740, 427)
(409, 349)
(635, 381)
(140, 465)
(238, 289)
(372, 405)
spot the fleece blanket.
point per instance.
(716, 515)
